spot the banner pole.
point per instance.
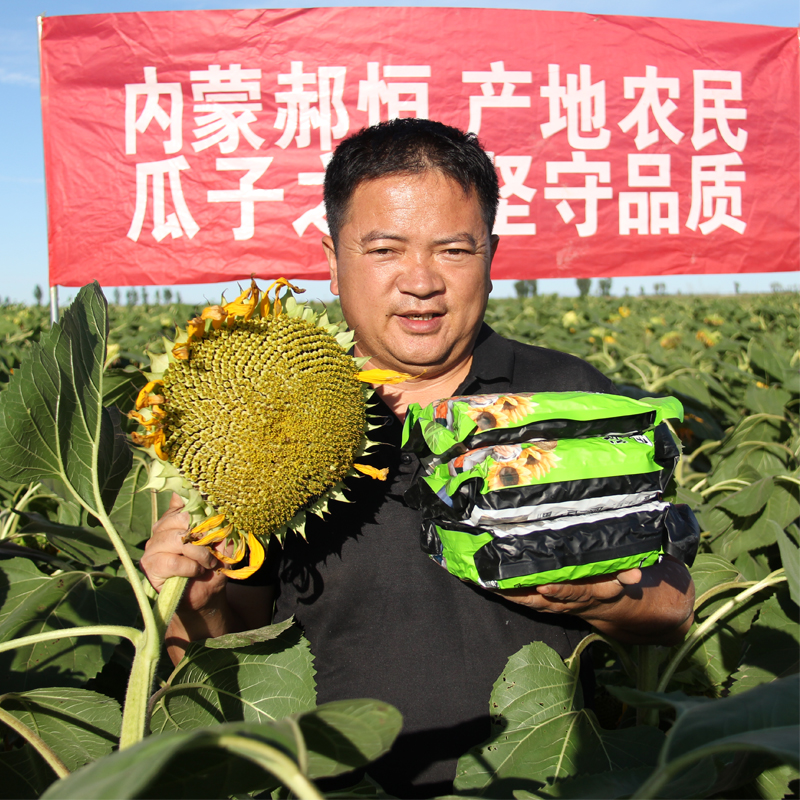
(53, 289)
(53, 304)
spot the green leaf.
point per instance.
(752, 533)
(712, 661)
(85, 546)
(749, 500)
(121, 386)
(134, 515)
(766, 362)
(693, 387)
(773, 784)
(24, 774)
(710, 570)
(620, 783)
(367, 789)
(175, 765)
(772, 646)
(753, 566)
(540, 731)
(348, 734)
(763, 720)
(773, 708)
(692, 499)
(790, 560)
(263, 682)
(35, 602)
(52, 420)
(714, 520)
(245, 638)
(767, 401)
(78, 725)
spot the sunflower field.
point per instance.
(88, 708)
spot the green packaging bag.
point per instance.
(527, 489)
(453, 426)
(564, 548)
(514, 483)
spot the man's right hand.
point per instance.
(210, 606)
(166, 556)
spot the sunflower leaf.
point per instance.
(36, 603)
(541, 732)
(52, 420)
(77, 724)
(186, 764)
(346, 734)
(261, 682)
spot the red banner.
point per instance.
(189, 147)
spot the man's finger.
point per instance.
(175, 502)
(630, 576)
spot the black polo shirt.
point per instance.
(386, 622)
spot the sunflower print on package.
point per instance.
(452, 426)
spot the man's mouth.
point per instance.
(420, 316)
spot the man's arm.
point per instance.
(211, 605)
(653, 605)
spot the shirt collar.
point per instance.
(492, 362)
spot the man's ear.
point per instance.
(330, 253)
(495, 240)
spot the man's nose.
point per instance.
(420, 276)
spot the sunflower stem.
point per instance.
(133, 634)
(275, 762)
(148, 648)
(35, 741)
(646, 681)
(701, 630)
(168, 599)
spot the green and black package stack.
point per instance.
(528, 489)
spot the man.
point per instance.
(411, 206)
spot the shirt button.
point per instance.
(406, 458)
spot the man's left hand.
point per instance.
(652, 605)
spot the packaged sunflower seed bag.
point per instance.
(528, 511)
(453, 426)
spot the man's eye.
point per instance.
(456, 251)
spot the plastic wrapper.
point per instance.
(453, 426)
(564, 548)
(536, 480)
(527, 489)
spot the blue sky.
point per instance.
(23, 230)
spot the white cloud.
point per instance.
(17, 78)
(7, 179)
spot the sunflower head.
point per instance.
(255, 415)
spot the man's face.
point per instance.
(412, 271)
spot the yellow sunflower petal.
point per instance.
(196, 327)
(280, 282)
(213, 537)
(209, 523)
(141, 398)
(158, 441)
(378, 474)
(383, 376)
(181, 351)
(216, 314)
(256, 560)
(145, 422)
(241, 549)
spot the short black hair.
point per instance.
(408, 146)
